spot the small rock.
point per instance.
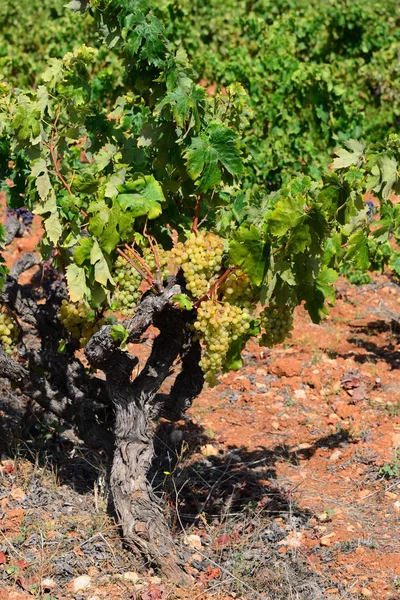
(17, 494)
(209, 450)
(81, 583)
(48, 584)
(289, 367)
(130, 576)
(326, 540)
(194, 541)
(396, 506)
(367, 593)
(323, 517)
(300, 394)
(335, 456)
(155, 580)
(391, 495)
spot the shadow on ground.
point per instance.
(233, 499)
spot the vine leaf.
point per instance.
(76, 280)
(347, 159)
(101, 271)
(208, 154)
(286, 214)
(51, 223)
(144, 198)
(248, 251)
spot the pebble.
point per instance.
(209, 450)
(48, 584)
(335, 456)
(367, 593)
(194, 541)
(81, 583)
(130, 576)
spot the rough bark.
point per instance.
(137, 407)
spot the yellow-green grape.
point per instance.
(163, 258)
(277, 322)
(236, 289)
(201, 260)
(78, 320)
(218, 324)
(126, 296)
(8, 331)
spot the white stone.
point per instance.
(81, 583)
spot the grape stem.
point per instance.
(144, 274)
(196, 214)
(154, 250)
(215, 286)
(51, 147)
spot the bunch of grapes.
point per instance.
(8, 331)
(126, 295)
(201, 260)
(218, 324)
(236, 289)
(163, 258)
(277, 322)
(23, 214)
(80, 320)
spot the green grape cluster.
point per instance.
(237, 289)
(201, 260)
(163, 258)
(8, 331)
(80, 320)
(277, 322)
(126, 296)
(218, 324)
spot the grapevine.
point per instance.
(277, 322)
(219, 324)
(163, 257)
(80, 320)
(201, 259)
(8, 331)
(126, 295)
(237, 289)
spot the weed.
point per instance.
(391, 470)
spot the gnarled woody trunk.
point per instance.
(61, 384)
(137, 408)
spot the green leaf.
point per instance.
(52, 223)
(76, 280)
(101, 270)
(324, 283)
(104, 156)
(248, 251)
(347, 159)
(119, 333)
(208, 156)
(394, 262)
(43, 185)
(286, 214)
(358, 253)
(116, 179)
(82, 250)
(184, 301)
(144, 198)
(139, 206)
